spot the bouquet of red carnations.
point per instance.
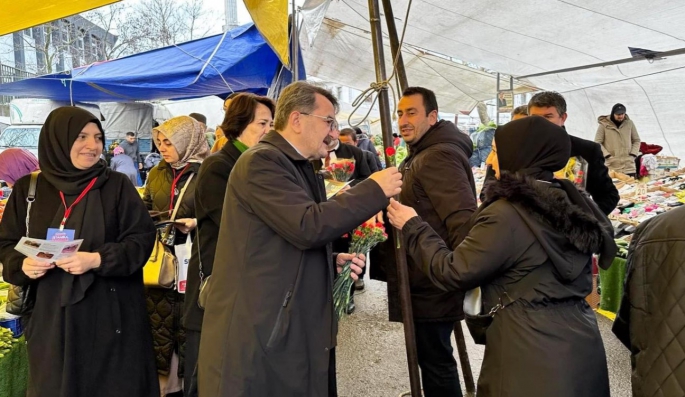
(364, 238)
(340, 170)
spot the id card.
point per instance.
(60, 235)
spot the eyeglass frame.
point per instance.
(332, 121)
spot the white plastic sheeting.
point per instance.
(344, 54)
(527, 37)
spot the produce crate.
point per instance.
(13, 325)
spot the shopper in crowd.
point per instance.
(123, 164)
(619, 139)
(651, 313)
(130, 146)
(269, 326)
(552, 106)
(202, 119)
(221, 139)
(439, 185)
(350, 137)
(546, 342)
(519, 112)
(152, 159)
(15, 163)
(249, 118)
(182, 144)
(88, 334)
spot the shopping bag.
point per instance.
(183, 252)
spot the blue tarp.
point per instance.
(239, 59)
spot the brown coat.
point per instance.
(269, 323)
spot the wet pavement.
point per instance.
(371, 358)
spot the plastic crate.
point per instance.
(13, 325)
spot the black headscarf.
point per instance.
(537, 148)
(60, 131)
(532, 146)
(57, 136)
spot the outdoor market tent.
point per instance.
(19, 15)
(238, 60)
(523, 38)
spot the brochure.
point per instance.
(333, 187)
(45, 250)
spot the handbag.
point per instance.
(477, 323)
(161, 268)
(20, 299)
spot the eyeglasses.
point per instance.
(332, 123)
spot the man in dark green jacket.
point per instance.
(650, 320)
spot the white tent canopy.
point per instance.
(522, 38)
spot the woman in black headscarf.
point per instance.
(530, 246)
(89, 333)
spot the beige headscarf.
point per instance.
(187, 136)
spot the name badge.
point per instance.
(60, 235)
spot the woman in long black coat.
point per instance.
(248, 118)
(546, 343)
(89, 333)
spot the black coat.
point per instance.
(650, 320)
(100, 346)
(269, 323)
(165, 306)
(598, 182)
(209, 203)
(548, 342)
(367, 145)
(438, 184)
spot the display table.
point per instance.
(14, 371)
(611, 282)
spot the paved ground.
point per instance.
(371, 358)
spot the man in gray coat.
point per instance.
(269, 324)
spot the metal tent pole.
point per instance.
(400, 255)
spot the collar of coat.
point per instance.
(550, 206)
(276, 139)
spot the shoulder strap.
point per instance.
(31, 197)
(180, 197)
(521, 287)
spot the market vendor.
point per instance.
(619, 139)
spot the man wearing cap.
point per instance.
(619, 140)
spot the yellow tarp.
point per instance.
(16, 15)
(271, 19)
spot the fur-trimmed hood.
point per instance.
(567, 232)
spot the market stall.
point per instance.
(13, 355)
(659, 189)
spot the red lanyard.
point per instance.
(67, 210)
(173, 187)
